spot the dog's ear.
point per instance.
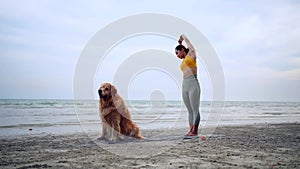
(113, 90)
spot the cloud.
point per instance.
(40, 41)
(267, 38)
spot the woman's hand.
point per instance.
(180, 39)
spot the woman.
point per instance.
(190, 85)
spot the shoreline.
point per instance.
(79, 130)
(246, 146)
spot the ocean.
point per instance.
(38, 117)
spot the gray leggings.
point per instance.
(191, 97)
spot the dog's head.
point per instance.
(106, 91)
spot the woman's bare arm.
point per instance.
(192, 51)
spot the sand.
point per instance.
(252, 146)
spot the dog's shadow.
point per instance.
(119, 141)
(125, 140)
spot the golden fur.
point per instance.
(114, 114)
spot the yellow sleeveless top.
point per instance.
(188, 63)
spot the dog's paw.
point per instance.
(101, 138)
(121, 137)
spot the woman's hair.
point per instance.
(179, 47)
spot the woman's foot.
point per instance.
(194, 131)
(191, 129)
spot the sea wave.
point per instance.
(25, 114)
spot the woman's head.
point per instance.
(181, 51)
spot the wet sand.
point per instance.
(251, 146)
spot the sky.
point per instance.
(257, 43)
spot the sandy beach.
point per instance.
(251, 146)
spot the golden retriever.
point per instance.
(115, 116)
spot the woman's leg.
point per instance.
(194, 96)
(186, 100)
(195, 102)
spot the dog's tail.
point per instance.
(140, 137)
(136, 133)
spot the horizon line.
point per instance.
(150, 100)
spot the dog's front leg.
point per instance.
(104, 131)
(117, 131)
(112, 134)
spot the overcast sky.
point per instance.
(257, 42)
